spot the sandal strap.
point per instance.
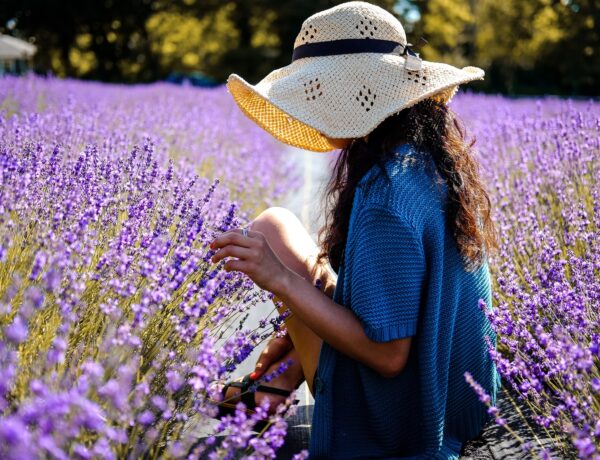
(248, 382)
(243, 386)
(235, 384)
(277, 391)
(247, 397)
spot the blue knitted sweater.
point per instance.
(402, 275)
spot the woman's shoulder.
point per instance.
(406, 166)
(409, 185)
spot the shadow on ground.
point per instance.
(494, 443)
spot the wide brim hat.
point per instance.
(351, 69)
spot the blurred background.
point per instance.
(525, 46)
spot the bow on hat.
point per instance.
(413, 61)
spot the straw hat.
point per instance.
(351, 68)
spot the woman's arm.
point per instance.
(335, 324)
(339, 326)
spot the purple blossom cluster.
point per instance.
(116, 330)
(541, 161)
(200, 128)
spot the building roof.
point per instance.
(15, 48)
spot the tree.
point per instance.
(145, 40)
(102, 40)
(447, 25)
(525, 46)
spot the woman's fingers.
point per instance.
(256, 258)
(236, 265)
(235, 237)
(233, 251)
(273, 352)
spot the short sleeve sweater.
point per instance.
(402, 275)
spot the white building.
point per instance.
(16, 55)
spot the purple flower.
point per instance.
(17, 331)
(146, 418)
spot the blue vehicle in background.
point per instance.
(192, 78)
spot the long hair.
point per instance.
(432, 127)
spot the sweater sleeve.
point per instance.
(388, 275)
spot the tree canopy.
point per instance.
(525, 46)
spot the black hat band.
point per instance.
(350, 46)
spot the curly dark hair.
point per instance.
(432, 127)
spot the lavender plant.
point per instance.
(116, 330)
(542, 162)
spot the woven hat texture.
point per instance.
(344, 95)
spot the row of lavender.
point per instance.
(112, 317)
(541, 159)
(113, 321)
(201, 130)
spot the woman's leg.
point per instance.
(296, 249)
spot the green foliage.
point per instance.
(144, 40)
(526, 46)
(446, 25)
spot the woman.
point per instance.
(385, 344)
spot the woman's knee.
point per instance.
(283, 230)
(274, 220)
(287, 237)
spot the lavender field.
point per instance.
(542, 162)
(114, 323)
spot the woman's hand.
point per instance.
(254, 257)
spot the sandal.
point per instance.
(247, 397)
